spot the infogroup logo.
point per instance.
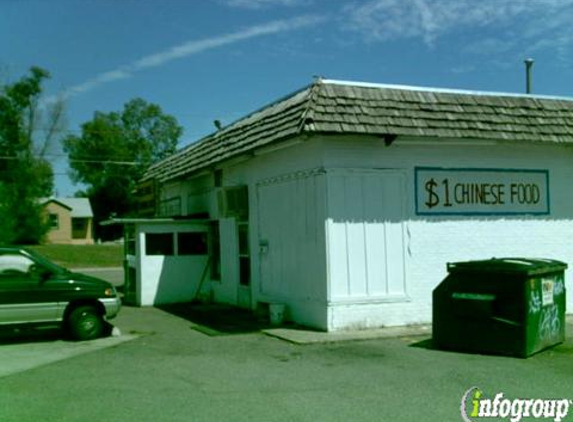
(475, 405)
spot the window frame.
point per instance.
(54, 220)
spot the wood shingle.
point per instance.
(355, 108)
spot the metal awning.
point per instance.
(157, 220)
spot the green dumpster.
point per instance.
(509, 306)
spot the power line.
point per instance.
(102, 158)
(119, 163)
(122, 163)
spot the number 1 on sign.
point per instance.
(447, 202)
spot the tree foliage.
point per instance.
(25, 176)
(113, 151)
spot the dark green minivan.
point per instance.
(35, 291)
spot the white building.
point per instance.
(345, 201)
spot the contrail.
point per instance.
(184, 50)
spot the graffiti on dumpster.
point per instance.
(534, 303)
(441, 191)
(558, 287)
(549, 323)
(542, 301)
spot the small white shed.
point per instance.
(166, 260)
(345, 201)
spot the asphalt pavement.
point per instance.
(21, 354)
(177, 366)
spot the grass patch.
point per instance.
(82, 256)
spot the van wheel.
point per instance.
(85, 323)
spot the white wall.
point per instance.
(430, 242)
(332, 269)
(167, 279)
(285, 197)
(291, 214)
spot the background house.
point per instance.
(70, 219)
(345, 201)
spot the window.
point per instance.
(245, 270)
(234, 202)
(244, 255)
(159, 244)
(54, 221)
(170, 207)
(79, 224)
(215, 250)
(218, 178)
(79, 228)
(192, 243)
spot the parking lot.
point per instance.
(173, 366)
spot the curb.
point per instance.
(316, 337)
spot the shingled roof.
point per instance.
(335, 107)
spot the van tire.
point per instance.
(85, 323)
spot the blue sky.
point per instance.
(202, 60)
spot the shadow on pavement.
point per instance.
(424, 344)
(30, 335)
(40, 334)
(565, 348)
(216, 319)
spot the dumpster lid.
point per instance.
(526, 266)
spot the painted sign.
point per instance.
(547, 288)
(447, 191)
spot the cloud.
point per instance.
(261, 4)
(458, 70)
(489, 46)
(187, 49)
(428, 20)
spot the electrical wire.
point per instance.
(123, 163)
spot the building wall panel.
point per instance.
(365, 234)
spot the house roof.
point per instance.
(338, 107)
(44, 201)
(79, 207)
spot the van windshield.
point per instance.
(45, 262)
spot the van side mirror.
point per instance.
(45, 274)
(40, 273)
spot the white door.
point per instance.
(291, 215)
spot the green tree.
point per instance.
(25, 176)
(113, 151)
